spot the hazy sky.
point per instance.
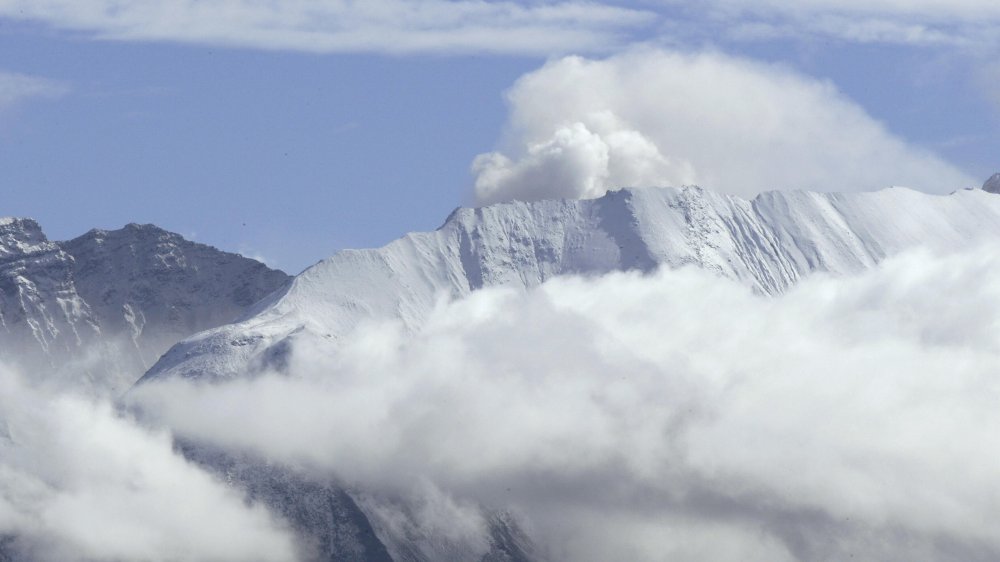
(290, 132)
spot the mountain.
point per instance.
(336, 524)
(97, 311)
(767, 243)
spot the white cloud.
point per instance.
(15, 88)
(677, 415)
(965, 23)
(951, 10)
(80, 482)
(505, 26)
(578, 127)
(577, 162)
(386, 26)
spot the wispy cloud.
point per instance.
(963, 23)
(510, 26)
(386, 26)
(15, 88)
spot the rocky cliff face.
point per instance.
(98, 310)
(992, 185)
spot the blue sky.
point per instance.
(291, 132)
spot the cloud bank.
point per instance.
(676, 415)
(578, 127)
(80, 482)
(383, 26)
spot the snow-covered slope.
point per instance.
(98, 310)
(767, 243)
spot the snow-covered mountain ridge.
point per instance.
(99, 309)
(767, 243)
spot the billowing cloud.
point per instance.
(80, 482)
(15, 88)
(384, 26)
(675, 415)
(578, 127)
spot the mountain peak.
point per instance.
(993, 184)
(19, 236)
(18, 223)
(134, 226)
(130, 229)
(135, 291)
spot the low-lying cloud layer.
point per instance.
(80, 482)
(676, 415)
(578, 127)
